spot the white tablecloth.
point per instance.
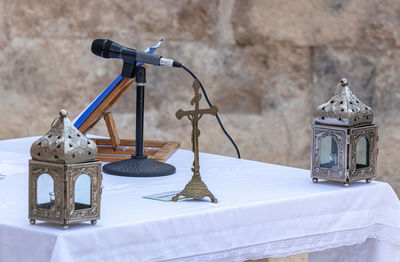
(264, 210)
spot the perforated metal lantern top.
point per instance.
(64, 144)
(343, 109)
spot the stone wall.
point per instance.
(266, 64)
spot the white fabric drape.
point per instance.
(264, 210)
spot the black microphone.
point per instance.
(108, 49)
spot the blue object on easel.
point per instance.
(92, 107)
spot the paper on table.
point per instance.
(166, 196)
(13, 163)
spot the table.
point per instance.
(264, 210)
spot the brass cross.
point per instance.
(196, 188)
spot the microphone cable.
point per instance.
(209, 103)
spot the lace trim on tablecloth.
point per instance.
(299, 245)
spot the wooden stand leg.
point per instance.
(112, 130)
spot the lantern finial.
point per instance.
(63, 113)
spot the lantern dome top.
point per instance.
(64, 143)
(343, 109)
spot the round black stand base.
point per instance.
(139, 167)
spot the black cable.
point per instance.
(209, 103)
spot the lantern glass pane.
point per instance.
(83, 192)
(362, 153)
(328, 152)
(45, 191)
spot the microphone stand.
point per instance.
(138, 165)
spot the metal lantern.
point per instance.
(64, 177)
(344, 140)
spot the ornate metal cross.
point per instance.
(196, 188)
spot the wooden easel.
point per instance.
(114, 148)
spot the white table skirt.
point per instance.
(264, 210)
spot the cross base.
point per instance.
(195, 189)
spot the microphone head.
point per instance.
(101, 47)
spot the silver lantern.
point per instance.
(64, 177)
(344, 140)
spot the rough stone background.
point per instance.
(265, 63)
